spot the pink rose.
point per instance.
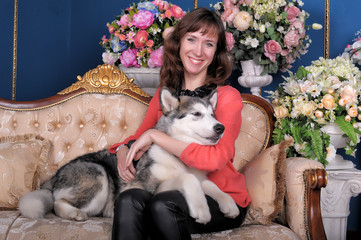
(167, 31)
(125, 21)
(298, 25)
(177, 12)
(155, 58)
(140, 39)
(129, 58)
(229, 14)
(162, 5)
(230, 41)
(291, 38)
(143, 19)
(292, 13)
(271, 48)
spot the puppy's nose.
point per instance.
(218, 128)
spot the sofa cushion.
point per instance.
(22, 158)
(54, 228)
(265, 184)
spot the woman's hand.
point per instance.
(140, 146)
(126, 171)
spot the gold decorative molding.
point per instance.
(195, 4)
(327, 29)
(105, 79)
(15, 47)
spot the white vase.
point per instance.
(251, 77)
(146, 78)
(338, 140)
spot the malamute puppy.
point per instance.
(88, 185)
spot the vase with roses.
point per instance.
(271, 33)
(136, 36)
(353, 51)
(315, 100)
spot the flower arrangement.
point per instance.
(354, 51)
(136, 36)
(327, 91)
(272, 33)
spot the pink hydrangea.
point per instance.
(129, 58)
(155, 59)
(143, 19)
(125, 21)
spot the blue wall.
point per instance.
(58, 40)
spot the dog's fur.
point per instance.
(88, 185)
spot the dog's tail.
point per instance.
(36, 204)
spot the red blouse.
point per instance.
(216, 159)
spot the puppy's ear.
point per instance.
(212, 98)
(168, 100)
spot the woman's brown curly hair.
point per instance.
(172, 71)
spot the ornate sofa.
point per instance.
(103, 107)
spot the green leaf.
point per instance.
(347, 128)
(317, 145)
(301, 72)
(270, 31)
(296, 133)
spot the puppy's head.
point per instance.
(191, 119)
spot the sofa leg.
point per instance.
(315, 179)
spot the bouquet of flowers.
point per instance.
(327, 91)
(272, 33)
(354, 51)
(136, 36)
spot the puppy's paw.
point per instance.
(201, 216)
(78, 216)
(200, 212)
(228, 207)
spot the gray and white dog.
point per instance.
(88, 185)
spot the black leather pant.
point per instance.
(140, 215)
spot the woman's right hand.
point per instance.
(126, 170)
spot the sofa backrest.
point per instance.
(104, 107)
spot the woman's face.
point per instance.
(197, 51)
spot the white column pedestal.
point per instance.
(335, 200)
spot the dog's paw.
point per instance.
(200, 213)
(228, 207)
(78, 216)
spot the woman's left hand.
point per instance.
(140, 146)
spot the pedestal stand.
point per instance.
(335, 200)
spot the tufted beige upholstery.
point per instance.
(104, 107)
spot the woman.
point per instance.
(195, 62)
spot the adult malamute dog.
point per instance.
(88, 185)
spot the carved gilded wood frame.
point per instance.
(195, 5)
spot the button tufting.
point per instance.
(125, 127)
(104, 125)
(68, 146)
(58, 125)
(15, 124)
(81, 125)
(36, 124)
(90, 149)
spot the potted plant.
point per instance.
(317, 102)
(135, 43)
(269, 34)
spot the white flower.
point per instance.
(331, 153)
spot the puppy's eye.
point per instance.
(197, 114)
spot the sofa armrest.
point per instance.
(304, 180)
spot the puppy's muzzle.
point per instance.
(218, 128)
